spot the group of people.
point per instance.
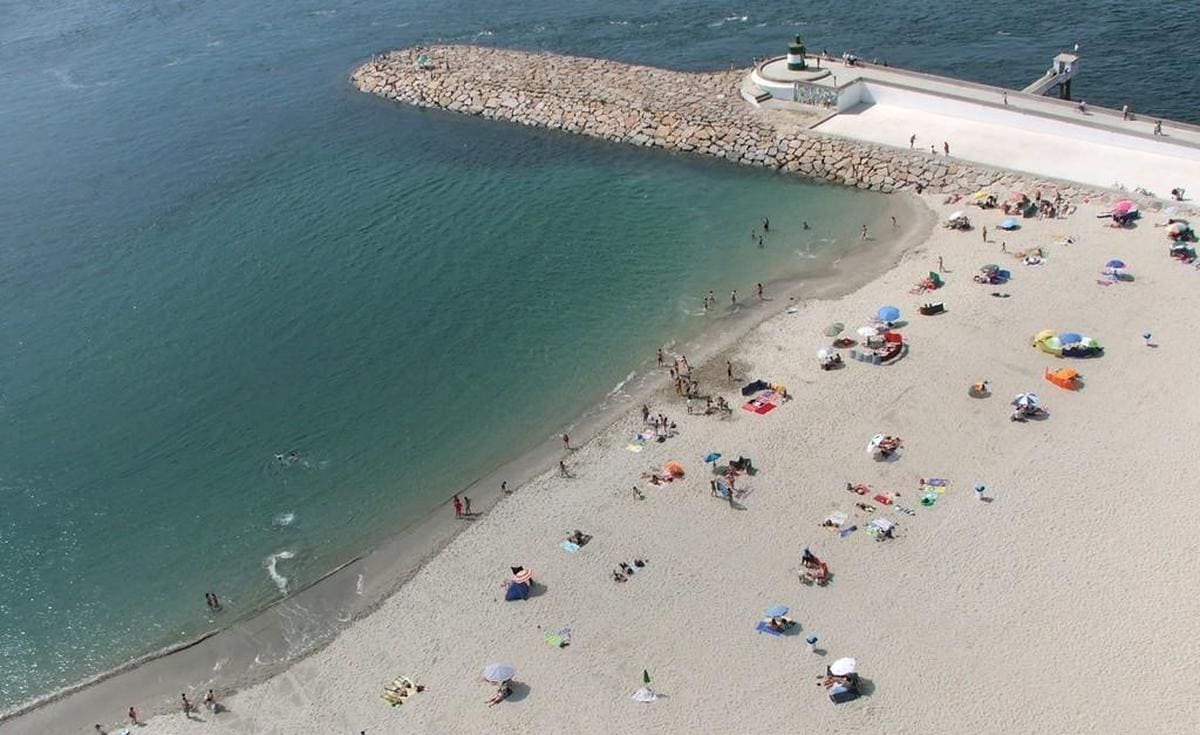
(624, 571)
(462, 506)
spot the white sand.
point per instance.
(1063, 606)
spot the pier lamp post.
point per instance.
(795, 56)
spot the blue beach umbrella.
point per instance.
(887, 314)
(1114, 263)
(712, 457)
(778, 611)
(1009, 223)
(1070, 338)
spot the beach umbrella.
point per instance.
(498, 673)
(1069, 338)
(1177, 228)
(843, 667)
(887, 314)
(867, 332)
(989, 268)
(1043, 335)
(777, 611)
(834, 329)
(712, 457)
(644, 695)
(980, 195)
(523, 576)
(956, 215)
(1009, 223)
(645, 676)
(874, 443)
(674, 468)
(1114, 263)
(1025, 400)
(1125, 206)
(824, 353)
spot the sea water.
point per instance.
(252, 321)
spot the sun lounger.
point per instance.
(762, 627)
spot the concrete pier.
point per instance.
(850, 124)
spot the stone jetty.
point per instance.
(701, 113)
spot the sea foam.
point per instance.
(272, 569)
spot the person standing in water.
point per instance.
(759, 288)
(458, 507)
(766, 225)
(863, 235)
(733, 297)
(566, 442)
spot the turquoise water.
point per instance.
(214, 251)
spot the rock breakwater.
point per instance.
(701, 113)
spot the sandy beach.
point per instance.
(1058, 606)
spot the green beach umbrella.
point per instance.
(834, 329)
(645, 676)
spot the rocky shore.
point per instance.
(692, 112)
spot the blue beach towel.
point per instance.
(762, 627)
(569, 547)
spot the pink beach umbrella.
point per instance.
(1125, 206)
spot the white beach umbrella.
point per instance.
(867, 332)
(956, 215)
(843, 667)
(645, 694)
(499, 673)
(824, 353)
(875, 442)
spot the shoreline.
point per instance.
(352, 591)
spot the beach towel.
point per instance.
(883, 499)
(561, 639)
(762, 627)
(928, 499)
(758, 407)
(845, 532)
(634, 447)
(569, 547)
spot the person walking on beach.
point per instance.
(729, 370)
(186, 705)
(645, 413)
(1158, 127)
(1124, 112)
(566, 442)
(946, 147)
(466, 512)
(458, 507)
(133, 718)
(941, 267)
(562, 469)
(912, 141)
(894, 224)
(759, 289)
(712, 298)
(660, 357)
(1082, 107)
(210, 700)
(863, 235)
(1006, 98)
(100, 729)
(733, 297)
(504, 486)
(985, 234)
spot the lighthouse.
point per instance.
(795, 56)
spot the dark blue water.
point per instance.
(212, 250)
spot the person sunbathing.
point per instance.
(618, 577)
(502, 693)
(810, 559)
